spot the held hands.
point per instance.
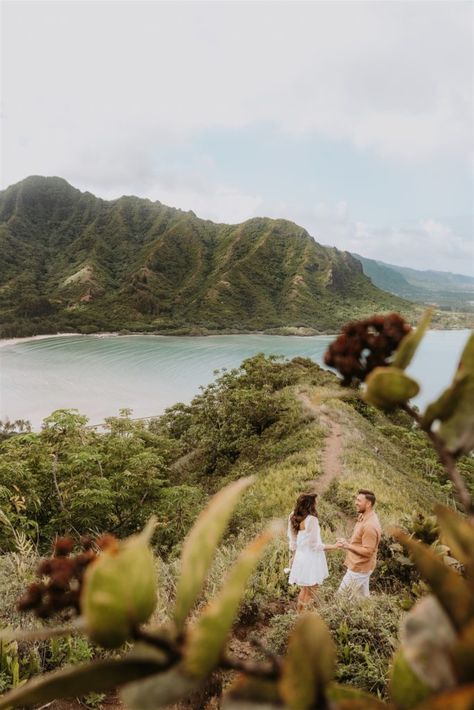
(340, 544)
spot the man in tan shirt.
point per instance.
(361, 550)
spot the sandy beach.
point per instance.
(15, 341)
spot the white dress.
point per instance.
(309, 563)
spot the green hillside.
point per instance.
(447, 290)
(72, 261)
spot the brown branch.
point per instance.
(257, 669)
(260, 669)
(124, 521)
(272, 657)
(170, 649)
(54, 469)
(448, 461)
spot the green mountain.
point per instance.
(72, 261)
(447, 290)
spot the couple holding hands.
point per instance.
(308, 566)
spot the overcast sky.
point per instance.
(353, 119)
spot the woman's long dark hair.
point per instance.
(305, 505)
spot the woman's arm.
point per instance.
(291, 536)
(315, 541)
(315, 537)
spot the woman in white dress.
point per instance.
(308, 566)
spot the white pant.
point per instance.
(356, 582)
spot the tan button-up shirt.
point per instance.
(366, 537)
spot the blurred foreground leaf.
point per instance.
(345, 697)
(98, 676)
(458, 699)
(406, 688)
(455, 407)
(463, 654)
(47, 632)
(207, 637)
(458, 533)
(427, 638)
(249, 704)
(119, 590)
(159, 690)
(309, 664)
(410, 342)
(200, 545)
(451, 590)
(252, 694)
(389, 387)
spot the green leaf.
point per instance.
(346, 696)
(98, 676)
(234, 704)
(46, 632)
(119, 590)
(455, 408)
(159, 690)
(463, 654)
(406, 689)
(458, 431)
(410, 342)
(200, 545)
(427, 637)
(207, 637)
(451, 590)
(445, 406)
(309, 664)
(389, 387)
(249, 704)
(458, 534)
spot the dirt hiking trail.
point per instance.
(331, 459)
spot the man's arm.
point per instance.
(370, 540)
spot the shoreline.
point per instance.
(28, 338)
(303, 333)
(191, 334)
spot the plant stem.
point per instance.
(169, 649)
(260, 669)
(257, 669)
(55, 481)
(449, 463)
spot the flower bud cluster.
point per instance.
(60, 580)
(366, 344)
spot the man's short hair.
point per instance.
(368, 494)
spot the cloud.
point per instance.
(427, 244)
(194, 190)
(393, 78)
(217, 202)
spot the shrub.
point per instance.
(365, 632)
